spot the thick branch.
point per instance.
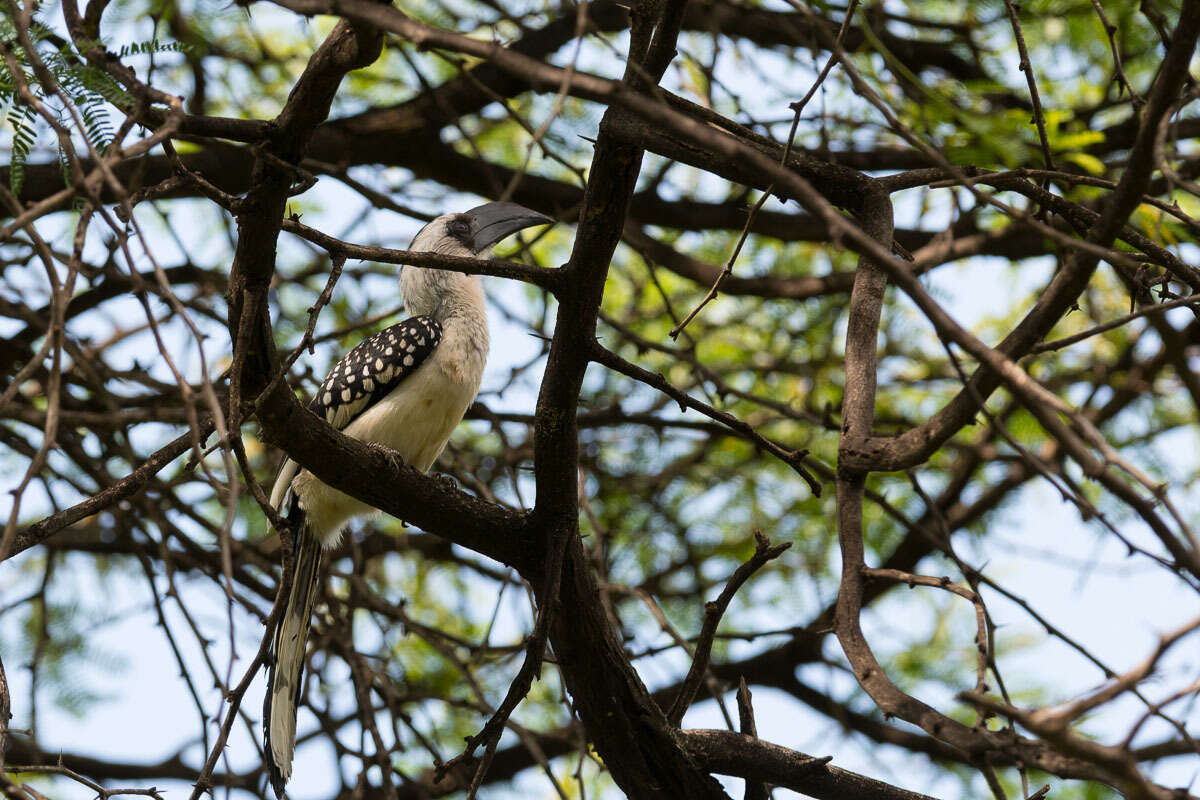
(730, 753)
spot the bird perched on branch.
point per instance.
(405, 388)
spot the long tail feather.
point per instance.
(285, 667)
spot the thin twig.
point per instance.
(797, 108)
(764, 551)
(1027, 67)
(755, 790)
(1067, 341)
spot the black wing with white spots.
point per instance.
(373, 368)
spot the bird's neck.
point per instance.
(456, 301)
(449, 297)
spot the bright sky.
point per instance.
(1117, 611)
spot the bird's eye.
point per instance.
(460, 229)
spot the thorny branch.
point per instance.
(119, 354)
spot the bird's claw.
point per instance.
(391, 455)
(447, 481)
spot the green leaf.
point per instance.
(1093, 165)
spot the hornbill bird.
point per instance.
(405, 388)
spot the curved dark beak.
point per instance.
(493, 221)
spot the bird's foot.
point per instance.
(446, 481)
(391, 455)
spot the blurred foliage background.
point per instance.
(131, 614)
